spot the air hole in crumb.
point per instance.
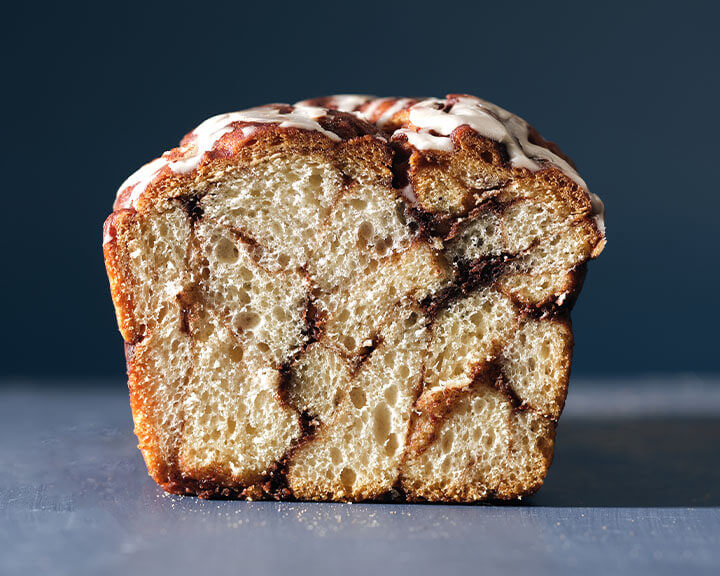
(226, 251)
(358, 203)
(283, 260)
(347, 477)
(381, 422)
(243, 297)
(279, 314)
(447, 441)
(391, 445)
(316, 180)
(335, 455)
(245, 273)
(248, 320)
(365, 231)
(383, 246)
(235, 354)
(391, 395)
(486, 156)
(357, 396)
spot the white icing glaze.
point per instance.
(348, 102)
(389, 112)
(425, 140)
(409, 193)
(489, 121)
(598, 211)
(372, 107)
(211, 130)
(142, 178)
(107, 237)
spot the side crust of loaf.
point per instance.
(349, 317)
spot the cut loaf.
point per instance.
(351, 298)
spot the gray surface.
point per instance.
(635, 488)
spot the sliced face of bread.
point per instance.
(351, 299)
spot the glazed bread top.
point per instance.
(421, 126)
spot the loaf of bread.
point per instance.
(351, 298)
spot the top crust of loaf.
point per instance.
(361, 152)
(374, 138)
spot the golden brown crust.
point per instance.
(121, 282)
(161, 466)
(448, 186)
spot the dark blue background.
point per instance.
(630, 90)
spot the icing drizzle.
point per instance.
(433, 121)
(344, 102)
(397, 105)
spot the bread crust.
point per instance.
(364, 151)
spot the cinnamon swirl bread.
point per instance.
(351, 298)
